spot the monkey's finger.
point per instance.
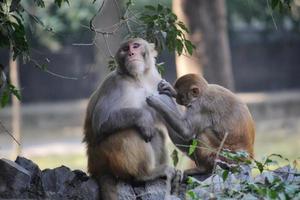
(166, 92)
(150, 100)
(162, 84)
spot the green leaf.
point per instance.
(189, 47)
(272, 194)
(225, 175)
(193, 147)
(13, 90)
(159, 7)
(281, 7)
(60, 2)
(260, 166)
(274, 3)
(183, 27)
(10, 90)
(149, 7)
(174, 157)
(179, 46)
(40, 3)
(161, 68)
(129, 3)
(36, 20)
(192, 194)
(5, 98)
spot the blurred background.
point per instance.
(243, 45)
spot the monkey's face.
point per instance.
(186, 96)
(132, 57)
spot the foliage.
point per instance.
(193, 147)
(13, 35)
(160, 25)
(9, 89)
(281, 4)
(156, 24)
(266, 15)
(236, 181)
(54, 27)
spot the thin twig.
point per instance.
(61, 76)
(83, 44)
(197, 147)
(217, 158)
(107, 46)
(52, 73)
(273, 20)
(92, 27)
(5, 129)
(117, 6)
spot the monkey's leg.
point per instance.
(108, 189)
(128, 118)
(173, 117)
(160, 171)
(199, 173)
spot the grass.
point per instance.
(73, 161)
(265, 144)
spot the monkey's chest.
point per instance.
(136, 96)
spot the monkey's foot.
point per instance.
(199, 174)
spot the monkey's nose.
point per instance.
(131, 54)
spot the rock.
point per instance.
(151, 190)
(89, 190)
(62, 183)
(36, 187)
(125, 191)
(287, 173)
(14, 180)
(29, 165)
(54, 181)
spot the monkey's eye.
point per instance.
(136, 45)
(126, 48)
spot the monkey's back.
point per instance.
(234, 117)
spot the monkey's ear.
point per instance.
(153, 52)
(195, 91)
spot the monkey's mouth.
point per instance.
(135, 60)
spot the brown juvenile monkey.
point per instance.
(124, 136)
(211, 111)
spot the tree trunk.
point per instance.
(16, 107)
(207, 23)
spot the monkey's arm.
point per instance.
(172, 116)
(128, 118)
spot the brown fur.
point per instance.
(226, 114)
(124, 154)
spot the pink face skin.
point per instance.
(134, 52)
(133, 55)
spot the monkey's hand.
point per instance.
(144, 125)
(146, 132)
(154, 101)
(166, 88)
